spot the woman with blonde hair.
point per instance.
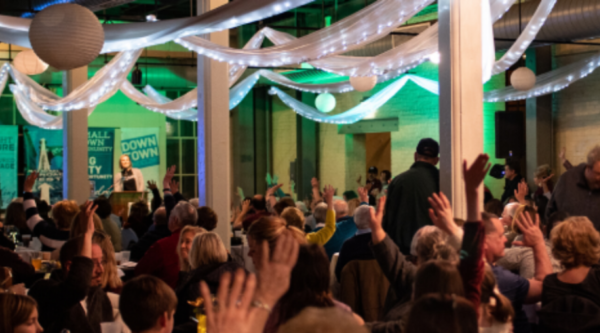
(571, 298)
(269, 229)
(19, 314)
(185, 245)
(110, 278)
(208, 260)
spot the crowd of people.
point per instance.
(390, 257)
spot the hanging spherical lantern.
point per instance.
(28, 63)
(522, 79)
(325, 102)
(363, 83)
(66, 36)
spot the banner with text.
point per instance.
(9, 140)
(43, 153)
(141, 144)
(101, 142)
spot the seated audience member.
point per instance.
(434, 311)
(520, 258)
(315, 319)
(207, 218)
(345, 226)
(160, 231)
(110, 227)
(52, 235)
(309, 286)
(110, 278)
(147, 305)
(137, 216)
(269, 229)
(15, 215)
(542, 177)
(161, 259)
(208, 261)
(516, 288)
(578, 190)
(195, 202)
(79, 225)
(494, 206)
(19, 314)
(495, 311)
(571, 298)
(73, 299)
(294, 217)
(185, 246)
(21, 271)
(252, 210)
(283, 204)
(357, 247)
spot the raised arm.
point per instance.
(156, 198)
(521, 192)
(169, 199)
(324, 235)
(316, 193)
(31, 211)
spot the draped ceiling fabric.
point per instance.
(130, 36)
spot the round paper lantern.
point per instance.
(66, 36)
(325, 102)
(363, 83)
(28, 63)
(522, 79)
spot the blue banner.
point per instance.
(43, 153)
(9, 140)
(101, 143)
(142, 150)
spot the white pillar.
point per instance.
(213, 130)
(76, 184)
(461, 94)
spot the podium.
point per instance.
(120, 201)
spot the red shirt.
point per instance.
(161, 260)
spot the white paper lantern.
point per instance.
(363, 83)
(325, 102)
(522, 79)
(28, 63)
(66, 36)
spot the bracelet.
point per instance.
(258, 304)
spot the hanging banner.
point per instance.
(43, 153)
(141, 145)
(101, 142)
(9, 140)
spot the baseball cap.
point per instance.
(428, 147)
(373, 169)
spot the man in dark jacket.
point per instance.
(577, 192)
(406, 209)
(160, 231)
(61, 298)
(512, 178)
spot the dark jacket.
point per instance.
(59, 300)
(364, 288)
(22, 272)
(355, 248)
(407, 208)
(188, 288)
(573, 195)
(510, 186)
(345, 228)
(51, 237)
(149, 238)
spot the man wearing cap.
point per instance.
(406, 208)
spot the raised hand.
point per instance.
(271, 190)
(363, 194)
(375, 223)
(275, 268)
(174, 184)
(314, 182)
(89, 210)
(152, 185)
(532, 234)
(441, 213)
(563, 154)
(235, 313)
(328, 196)
(475, 174)
(245, 206)
(359, 179)
(30, 181)
(168, 176)
(521, 192)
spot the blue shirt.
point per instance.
(344, 229)
(515, 288)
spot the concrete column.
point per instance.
(538, 119)
(461, 94)
(213, 130)
(76, 184)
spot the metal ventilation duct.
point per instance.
(569, 20)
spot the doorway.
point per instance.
(378, 151)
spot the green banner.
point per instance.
(9, 141)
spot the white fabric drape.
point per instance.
(362, 110)
(526, 37)
(130, 36)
